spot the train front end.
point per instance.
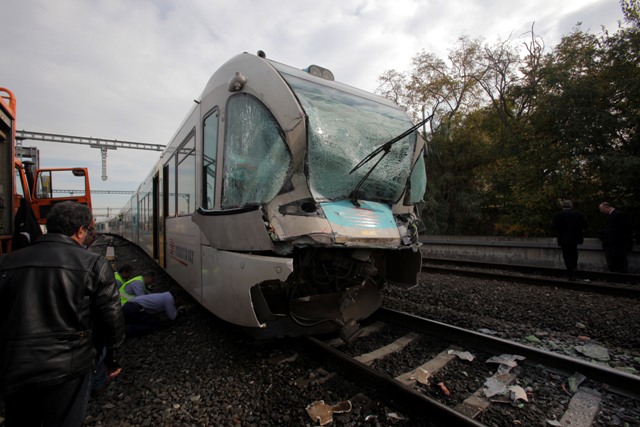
(343, 222)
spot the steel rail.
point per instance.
(631, 291)
(412, 402)
(540, 270)
(619, 381)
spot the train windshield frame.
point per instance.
(343, 128)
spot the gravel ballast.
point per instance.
(201, 371)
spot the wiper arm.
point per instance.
(386, 147)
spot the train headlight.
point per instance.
(316, 70)
(237, 82)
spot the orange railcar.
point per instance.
(39, 188)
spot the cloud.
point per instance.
(130, 70)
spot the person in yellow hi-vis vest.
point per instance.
(145, 312)
(123, 272)
(132, 287)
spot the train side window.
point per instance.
(145, 213)
(210, 146)
(187, 176)
(418, 181)
(171, 186)
(256, 157)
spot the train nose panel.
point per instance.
(371, 223)
(234, 230)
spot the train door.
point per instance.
(209, 200)
(164, 213)
(155, 218)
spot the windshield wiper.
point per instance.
(386, 147)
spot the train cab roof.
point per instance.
(258, 71)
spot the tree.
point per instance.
(589, 116)
(511, 136)
(447, 91)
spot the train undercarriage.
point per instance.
(330, 290)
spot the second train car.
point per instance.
(285, 201)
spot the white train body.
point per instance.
(252, 208)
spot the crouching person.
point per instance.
(56, 301)
(147, 312)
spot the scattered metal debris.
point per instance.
(318, 376)
(517, 393)
(422, 376)
(342, 407)
(284, 358)
(320, 412)
(444, 389)
(323, 413)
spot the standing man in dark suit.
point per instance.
(616, 238)
(569, 224)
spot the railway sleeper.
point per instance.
(581, 411)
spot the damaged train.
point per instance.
(285, 201)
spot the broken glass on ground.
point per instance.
(497, 384)
(510, 360)
(594, 351)
(574, 381)
(464, 355)
(533, 339)
(492, 387)
(395, 417)
(505, 362)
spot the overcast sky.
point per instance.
(130, 69)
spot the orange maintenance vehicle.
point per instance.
(26, 192)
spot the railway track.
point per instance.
(414, 390)
(601, 276)
(423, 405)
(604, 283)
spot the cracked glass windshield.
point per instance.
(343, 129)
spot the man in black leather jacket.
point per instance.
(58, 301)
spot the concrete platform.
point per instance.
(526, 251)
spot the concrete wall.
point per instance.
(533, 251)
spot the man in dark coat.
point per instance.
(57, 302)
(26, 230)
(569, 224)
(616, 238)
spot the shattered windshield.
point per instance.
(343, 129)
